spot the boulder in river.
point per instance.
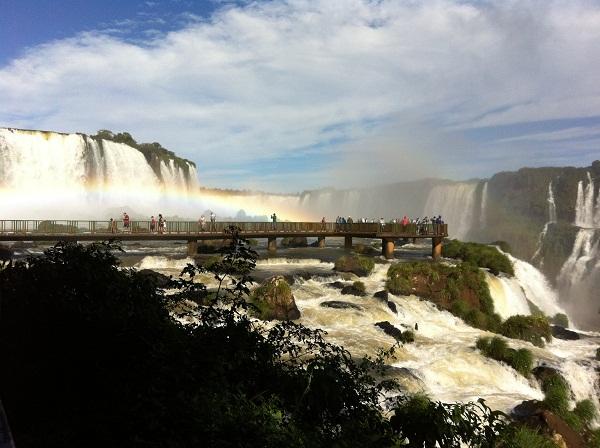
(359, 265)
(336, 284)
(274, 300)
(564, 333)
(381, 295)
(159, 280)
(355, 289)
(392, 306)
(338, 304)
(396, 333)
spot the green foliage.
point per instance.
(359, 265)
(428, 424)
(461, 289)
(524, 437)
(359, 286)
(521, 360)
(534, 329)
(586, 411)
(503, 245)
(556, 392)
(480, 255)
(407, 336)
(561, 320)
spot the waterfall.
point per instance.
(551, 220)
(584, 205)
(68, 176)
(528, 284)
(484, 201)
(456, 203)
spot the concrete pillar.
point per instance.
(321, 241)
(436, 248)
(348, 242)
(272, 244)
(192, 248)
(387, 248)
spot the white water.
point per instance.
(484, 201)
(551, 220)
(443, 361)
(64, 176)
(456, 203)
(586, 215)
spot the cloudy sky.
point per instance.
(297, 94)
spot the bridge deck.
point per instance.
(47, 230)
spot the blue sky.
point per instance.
(298, 94)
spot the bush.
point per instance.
(556, 392)
(357, 264)
(586, 411)
(521, 360)
(523, 437)
(480, 255)
(359, 287)
(561, 320)
(534, 329)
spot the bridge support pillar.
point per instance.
(272, 244)
(192, 248)
(436, 248)
(387, 248)
(348, 242)
(321, 241)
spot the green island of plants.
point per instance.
(496, 348)
(357, 264)
(99, 356)
(480, 255)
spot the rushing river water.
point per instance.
(443, 361)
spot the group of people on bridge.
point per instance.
(422, 224)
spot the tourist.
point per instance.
(323, 223)
(125, 222)
(417, 326)
(213, 222)
(274, 221)
(350, 222)
(161, 223)
(152, 224)
(112, 225)
(202, 219)
(381, 224)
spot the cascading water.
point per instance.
(456, 203)
(585, 215)
(66, 176)
(484, 201)
(551, 220)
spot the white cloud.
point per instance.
(274, 78)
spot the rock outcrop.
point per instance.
(274, 300)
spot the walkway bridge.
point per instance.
(192, 232)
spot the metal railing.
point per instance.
(71, 227)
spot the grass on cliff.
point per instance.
(535, 329)
(496, 348)
(480, 255)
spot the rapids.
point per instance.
(443, 361)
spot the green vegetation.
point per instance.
(503, 245)
(97, 359)
(153, 152)
(480, 255)
(534, 329)
(521, 360)
(524, 437)
(360, 287)
(460, 289)
(561, 320)
(359, 265)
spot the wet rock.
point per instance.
(543, 373)
(336, 285)
(159, 280)
(296, 241)
(274, 300)
(382, 295)
(357, 264)
(338, 304)
(355, 289)
(392, 306)
(532, 414)
(563, 333)
(396, 333)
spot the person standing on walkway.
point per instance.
(274, 221)
(213, 222)
(152, 224)
(125, 222)
(202, 219)
(323, 224)
(161, 223)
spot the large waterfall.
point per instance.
(586, 214)
(69, 176)
(551, 220)
(456, 203)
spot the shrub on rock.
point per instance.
(274, 300)
(361, 266)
